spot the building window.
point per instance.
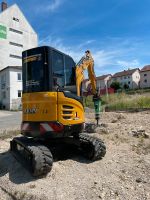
(15, 44)
(19, 77)
(15, 56)
(124, 77)
(145, 81)
(4, 94)
(128, 76)
(19, 93)
(3, 78)
(15, 31)
(15, 19)
(3, 85)
(128, 82)
(145, 74)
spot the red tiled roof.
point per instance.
(99, 77)
(102, 77)
(145, 68)
(125, 73)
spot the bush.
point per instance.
(115, 85)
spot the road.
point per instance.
(10, 120)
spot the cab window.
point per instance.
(58, 69)
(69, 71)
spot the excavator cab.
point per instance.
(52, 110)
(50, 103)
(47, 69)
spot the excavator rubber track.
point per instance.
(93, 148)
(32, 155)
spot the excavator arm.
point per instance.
(87, 63)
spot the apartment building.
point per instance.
(102, 82)
(145, 77)
(16, 35)
(130, 78)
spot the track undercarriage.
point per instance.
(36, 156)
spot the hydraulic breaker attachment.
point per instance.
(97, 106)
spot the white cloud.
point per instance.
(101, 57)
(49, 6)
(107, 60)
(86, 43)
(58, 43)
(54, 5)
(132, 63)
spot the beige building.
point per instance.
(145, 77)
(86, 85)
(103, 81)
(130, 77)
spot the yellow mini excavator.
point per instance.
(52, 108)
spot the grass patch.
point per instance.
(87, 102)
(121, 101)
(8, 134)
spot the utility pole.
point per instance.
(107, 89)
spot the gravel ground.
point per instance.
(124, 172)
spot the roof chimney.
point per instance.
(3, 6)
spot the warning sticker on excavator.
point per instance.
(32, 58)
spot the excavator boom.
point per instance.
(87, 63)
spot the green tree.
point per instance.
(126, 86)
(115, 85)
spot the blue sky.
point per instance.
(116, 31)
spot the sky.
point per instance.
(117, 32)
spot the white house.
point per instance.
(145, 77)
(10, 88)
(130, 77)
(16, 35)
(102, 81)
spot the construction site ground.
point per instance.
(123, 174)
